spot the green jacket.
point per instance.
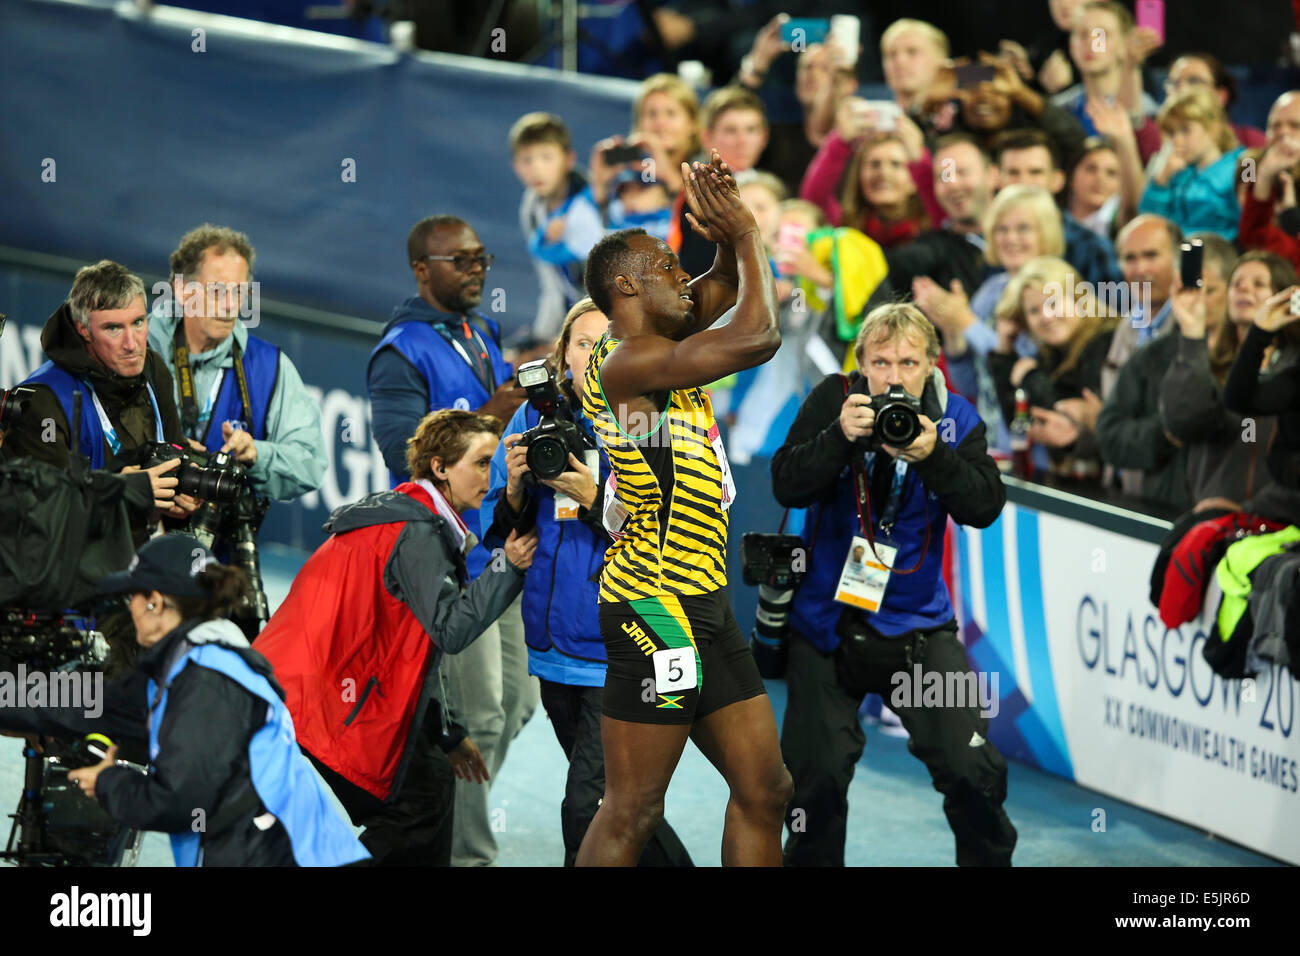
(1233, 572)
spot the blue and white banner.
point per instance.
(1095, 688)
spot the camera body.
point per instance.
(556, 434)
(898, 420)
(219, 479)
(13, 405)
(775, 560)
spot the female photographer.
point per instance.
(226, 778)
(565, 649)
(358, 640)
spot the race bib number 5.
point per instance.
(674, 669)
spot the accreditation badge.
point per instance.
(865, 574)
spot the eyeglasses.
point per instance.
(463, 263)
(1191, 81)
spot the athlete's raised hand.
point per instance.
(717, 212)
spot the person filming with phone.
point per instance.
(881, 459)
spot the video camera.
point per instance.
(550, 442)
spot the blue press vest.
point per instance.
(262, 372)
(918, 600)
(283, 779)
(63, 383)
(451, 383)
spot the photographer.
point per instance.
(565, 649)
(226, 778)
(358, 640)
(236, 393)
(97, 343)
(888, 499)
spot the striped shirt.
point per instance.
(667, 476)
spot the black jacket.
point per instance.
(202, 759)
(1131, 431)
(125, 400)
(941, 254)
(1277, 393)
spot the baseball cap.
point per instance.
(169, 564)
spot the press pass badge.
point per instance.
(728, 483)
(566, 508)
(614, 517)
(864, 577)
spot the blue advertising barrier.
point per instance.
(122, 131)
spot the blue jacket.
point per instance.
(283, 779)
(1199, 200)
(813, 469)
(560, 599)
(414, 370)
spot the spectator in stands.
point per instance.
(543, 159)
(878, 181)
(1046, 60)
(634, 200)
(1248, 392)
(665, 120)
(1148, 254)
(1108, 52)
(565, 650)
(1134, 426)
(1003, 103)
(439, 352)
(1093, 196)
(1027, 157)
(1022, 224)
(1225, 451)
(822, 80)
(963, 186)
(1071, 330)
(1199, 71)
(1196, 183)
(912, 52)
(1275, 177)
(244, 395)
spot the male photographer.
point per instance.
(236, 393)
(97, 344)
(894, 502)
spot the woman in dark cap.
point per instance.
(226, 778)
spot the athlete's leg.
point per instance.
(639, 762)
(741, 741)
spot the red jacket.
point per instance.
(353, 645)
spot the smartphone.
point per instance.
(792, 235)
(882, 113)
(1151, 13)
(845, 33)
(972, 74)
(805, 30)
(617, 155)
(1189, 264)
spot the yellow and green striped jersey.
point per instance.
(668, 478)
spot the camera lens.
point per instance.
(898, 425)
(548, 457)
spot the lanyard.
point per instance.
(109, 433)
(485, 376)
(890, 513)
(191, 418)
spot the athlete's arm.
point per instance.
(648, 363)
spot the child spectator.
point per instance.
(1199, 71)
(543, 159)
(1195, 185)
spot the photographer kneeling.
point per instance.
(565, 650)
(226, 778)
(857, 633)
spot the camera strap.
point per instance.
(482, 368)
(191, 418)
(862, 494)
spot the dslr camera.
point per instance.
(898, 417)
(220, 479)
(556, 433)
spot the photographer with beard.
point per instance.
(849, 637)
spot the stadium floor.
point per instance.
(895, 817)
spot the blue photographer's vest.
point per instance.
(283, 779)
(63, 383)
(451, 383)
(262, 372)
